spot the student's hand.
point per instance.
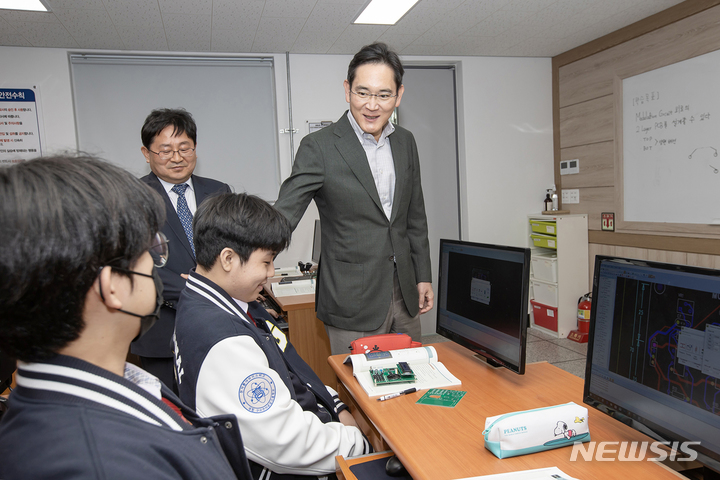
(184, 276)
(347, 419)
(427, 297)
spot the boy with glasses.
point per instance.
(78, 282)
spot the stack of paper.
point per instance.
(297, 287)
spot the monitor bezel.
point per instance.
(705, 456)
(492, 357)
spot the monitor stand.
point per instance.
(487, 361)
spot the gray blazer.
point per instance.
(355, 278)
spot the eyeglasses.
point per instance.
(159, 250)
(381, 97)
(168, 154)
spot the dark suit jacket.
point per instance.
(157, 342)
(355, 278)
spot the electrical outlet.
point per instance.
(571, 196)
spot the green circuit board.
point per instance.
(388, 376)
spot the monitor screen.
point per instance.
(483, 300)
(316, 243)
(654, 352)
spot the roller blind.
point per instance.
(231, 99)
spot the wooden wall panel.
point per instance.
(597, 165)
(587, 122)
(586, 86)
(592, 76)
(593, 201)
(679, 258)
(706, 261)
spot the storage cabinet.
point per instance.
(559, 271)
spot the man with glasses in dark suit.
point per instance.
(169, 138)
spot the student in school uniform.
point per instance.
(232, 358)
(81, 249)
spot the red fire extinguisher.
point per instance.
(584, 306)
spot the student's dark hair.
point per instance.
(239, 221)
(62, 219)
(160, 119)
(376, 53)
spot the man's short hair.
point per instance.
(62, 219)
(239, 221)
(160, 119)
(376, 53)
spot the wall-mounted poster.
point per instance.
(19, 125)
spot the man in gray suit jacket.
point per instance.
(169, 139)
(364, 174)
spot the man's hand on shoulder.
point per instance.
(427, 297)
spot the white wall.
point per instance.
(505, 110)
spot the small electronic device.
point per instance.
(389, 376)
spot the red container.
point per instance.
(544, 315)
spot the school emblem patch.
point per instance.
(257, 393)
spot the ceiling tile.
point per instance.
(14, 40)
(314, 42)
(13, 16)
(288, 8)
(357, 36)
(527, 5)
(6, 27)
(397, 41)
(64, 4)
(46, 34)
(188, 32)
(84, 21)
(186, 7)
(233, 21)
(134, 12)
(237, 40)
(418, 21)
(141, 38)
(276, 34)
(236, 11)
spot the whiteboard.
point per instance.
(671, 138)
(232, 100)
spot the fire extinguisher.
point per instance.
(584, 306)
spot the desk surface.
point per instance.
(291, 302)
(437, 443)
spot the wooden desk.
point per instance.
(307, 332)
(439, 443)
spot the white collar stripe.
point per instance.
(209, 297)
(213, 295)
(82, 375)
(87, 394)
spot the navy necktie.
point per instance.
(183, 212)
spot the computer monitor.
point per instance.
(316, 243)
(483, 300)
(654, 352)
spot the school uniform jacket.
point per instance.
(69, 419)
(226, 364)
